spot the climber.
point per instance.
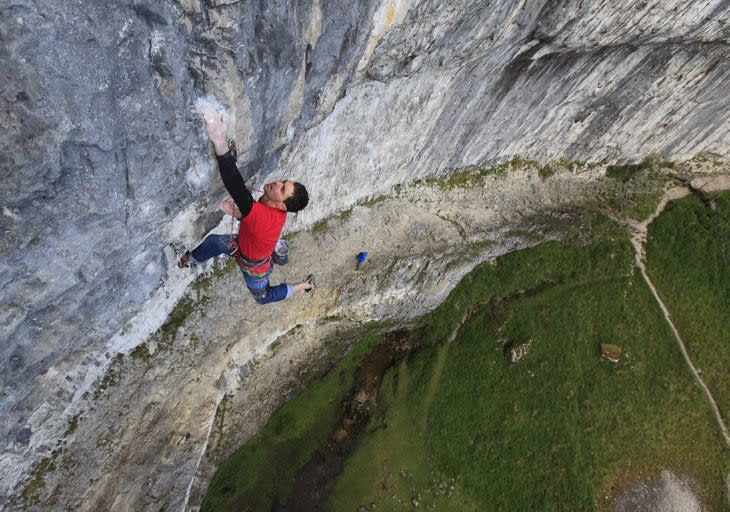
(257, 246)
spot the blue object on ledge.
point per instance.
(361, 259)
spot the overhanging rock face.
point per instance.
(105, 160)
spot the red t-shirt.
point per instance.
(258, 233)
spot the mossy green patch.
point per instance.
(627, 172)
(37, 483)
(204, 283)
(165, 336)
(374, 200)
(555, 166)
(639, 198)
(639, 187)
(141, 351)
(319, 227)
(218, 424)
(346, 214)
(111, 376)
(468, 177)
(73, 424)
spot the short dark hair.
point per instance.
(298, 200)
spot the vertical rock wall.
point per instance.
(105, 160)
(477, 83)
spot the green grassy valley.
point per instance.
(501, 399)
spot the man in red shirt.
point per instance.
(260, 226)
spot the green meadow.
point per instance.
(694, 281)
(458, 426)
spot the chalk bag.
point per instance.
(281, 253)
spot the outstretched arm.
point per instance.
(216, 126)
(235, 184)
(232, 180)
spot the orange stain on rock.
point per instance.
(390, 15)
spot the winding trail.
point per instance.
(638, 240)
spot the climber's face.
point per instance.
(276, 192)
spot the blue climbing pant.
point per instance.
(257, 284)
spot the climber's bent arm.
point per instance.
(234, 183)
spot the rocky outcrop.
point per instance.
(106, 162)
(668, 492)
(611, 352)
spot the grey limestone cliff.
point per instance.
(105, 163)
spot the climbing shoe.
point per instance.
(185, 260)
(310, 279)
